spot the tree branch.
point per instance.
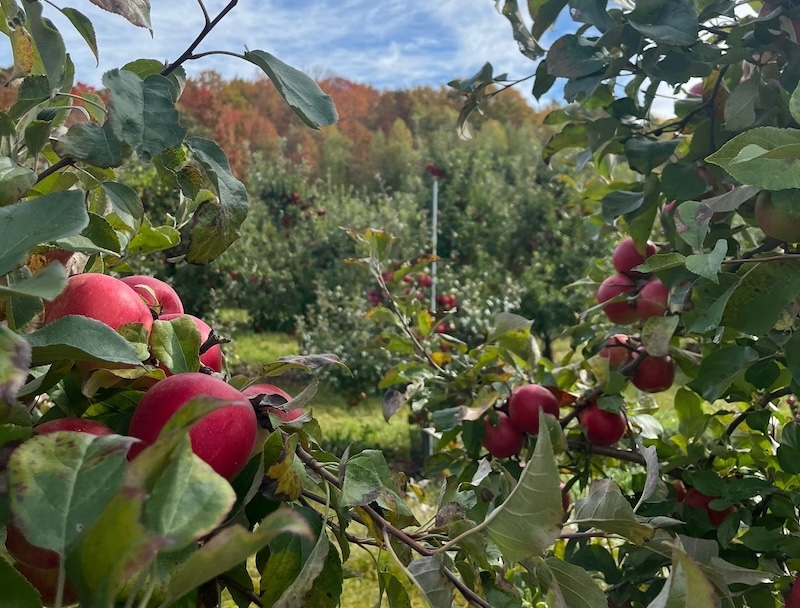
(67, 161)
(236, 585)
(610, 452)
(210, 25)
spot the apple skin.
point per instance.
(697, 500)
(621, 313)
(653, 300)
(213, 356)
(616, 354)
(270, 389)
(626, 257)
(504, 440)
(224, 438)
(17, 545)
(100, 297)
(566, 499)
(793, 601)
(601, 427)
(166, 302)
(680, 490)
(525, 403)
(78, 425)
(774, 222)
(45, 580)
(654, 374)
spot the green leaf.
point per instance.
(573, 587)
(303, 95)
(47, 283)
(49, 43)
(764, 292)
(707, 265)
(230, 547)
(61, 482)
(529, 520)
(656, 334)
(17, 591)
(427, 575)
(513, 332)
(573, 57)
(113, 550)
(284, 473)
(81, 339)
(709, 301)
(15, 181)
(572, 135)
(188, 500)
(396, 593)
(297, 593)
(732, 200)
(98, 237)
(15, 360)
(142, 112)
(526, 41)
(765, 157)
(791, 350)
(740, 108)
(719, 368)
(691, 222)
(95, 144)
(176, 344)
(37, 134)
(85, 28)
(606, 508)
(682, 182)
(367, 478)
(666, 21)
(592, 12)
(645, 154)
(662, 261)
(794, 103)
(135, 11)
(215, 225)
(150, 239)
(685, 586)
(126, 205)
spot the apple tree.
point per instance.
(672, 418)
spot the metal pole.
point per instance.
(434, 240)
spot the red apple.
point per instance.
(525, 403)
(793, 601)
(45, 580)
(601, 427)
(626, 256)
(654, 374)
(166, 301)
(99, 297)
(680, 490)
(778, 223)
(566, 499)
(213, 356)
(256, 390)
(623, 312)
(615, 351)
(503, 440)
(653, 299)
(223, 439)
(697, 500)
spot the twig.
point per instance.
(773, 258)
(580, 535)
(469, 594)
(205, 12)
(602, 450)
(210, 25)
(67, 161)
(212, 341)
(248, 593)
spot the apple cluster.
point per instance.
(651, 374)
(225, 439)
(645, 296)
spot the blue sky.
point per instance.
(390, 44)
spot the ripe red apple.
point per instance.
(424, 280)
(18, 546)
(697, 500)
(213, 356)
(166, 301)
(654, 374)
(793, 601)
(566, 499)
(653, 300)
(503, 440)
(615, 351)
(601, 427)
(680, 490)
(100, 297)
(525, 403)
(256, 390)
(774, 222)
(224, 438)
(626, 256)
(45, 580)
(624, 312)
